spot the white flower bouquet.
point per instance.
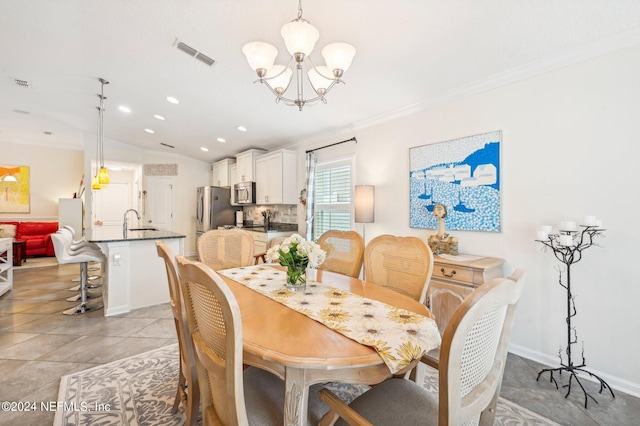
(297, 254)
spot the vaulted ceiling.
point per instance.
(410, 54)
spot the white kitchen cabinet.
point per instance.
(261, 240)
(232, 181)
(220, 172)
(246, 162)
(276, 178)
(6, 265)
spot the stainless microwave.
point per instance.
(245, 192)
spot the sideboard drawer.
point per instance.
(457, 273)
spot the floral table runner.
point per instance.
(399, 336)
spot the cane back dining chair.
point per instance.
(188, 391)
(345, 251)
(432, 358)
(230, 395)
(223, 249)
(403, 264)
(473, 356)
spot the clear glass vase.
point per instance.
(296, 278)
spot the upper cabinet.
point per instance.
(233, 179)
(276, 177)
(220, 175)
(246, 162)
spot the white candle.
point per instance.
(566, 240)
(542, 235)
(589, 220)
(567, 226)
(546, 228)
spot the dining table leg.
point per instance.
(296, 397)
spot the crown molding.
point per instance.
(569, 57)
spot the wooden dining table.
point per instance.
(304, 352)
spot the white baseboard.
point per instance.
(616, 383)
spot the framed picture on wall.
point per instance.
(14, 189)
(463, 175)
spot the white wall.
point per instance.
(569, 149)
(55, 173)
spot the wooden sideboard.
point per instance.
(452, 280)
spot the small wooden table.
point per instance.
(19, 252)
(304, 352)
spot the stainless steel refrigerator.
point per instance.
(214, 209)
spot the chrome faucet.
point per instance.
(124, 225)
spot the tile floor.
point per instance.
(38, 345)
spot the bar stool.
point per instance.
(61, 245)
(74, 247)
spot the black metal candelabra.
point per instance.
(570, 254)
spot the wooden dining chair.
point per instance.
(223, 249)
(473, 357)
(262, 257)
(432, 358)
(345, 251)
(403, 264)
(231, 395)
(188, 392)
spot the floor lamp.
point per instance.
(365, 205)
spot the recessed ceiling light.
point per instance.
(124, 109)
(173, 100)
(221, 140)
(202, 148)
(159, 117)
(149, 131)
(242, 128)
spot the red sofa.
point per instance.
(37, 235)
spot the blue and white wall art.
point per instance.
(464, 175)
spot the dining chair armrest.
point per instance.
(338, 407)
(432, 358)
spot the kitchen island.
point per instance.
(134, 276)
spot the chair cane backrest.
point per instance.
(223, 249)
(217, 342)
(474, 350)
(345, 252)
(187, 355)
(403, 264)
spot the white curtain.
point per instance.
(311, 177)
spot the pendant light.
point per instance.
(102, 175)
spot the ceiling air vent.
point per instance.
(167, 145)
(22, 83)
(194, 53)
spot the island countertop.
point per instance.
(112, 235)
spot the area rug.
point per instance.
(139, 391)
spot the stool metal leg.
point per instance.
(84, 306)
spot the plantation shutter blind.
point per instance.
(332, 197)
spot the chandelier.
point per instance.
(102, 174)
(300, 38)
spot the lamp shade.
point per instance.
(317, 79)
(260, 55)
(365, 203)
(103, 176)
(279, 77)
(299, 37)
(338, 56)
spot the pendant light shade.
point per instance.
(318, 80)
(260, 55)
(338, 56)
(280, 77)
(299, 37)
(103, 176)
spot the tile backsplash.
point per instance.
(283, 213)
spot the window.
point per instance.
(332, 197)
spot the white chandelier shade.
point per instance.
(300, 38)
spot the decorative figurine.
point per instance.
(441, 242)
